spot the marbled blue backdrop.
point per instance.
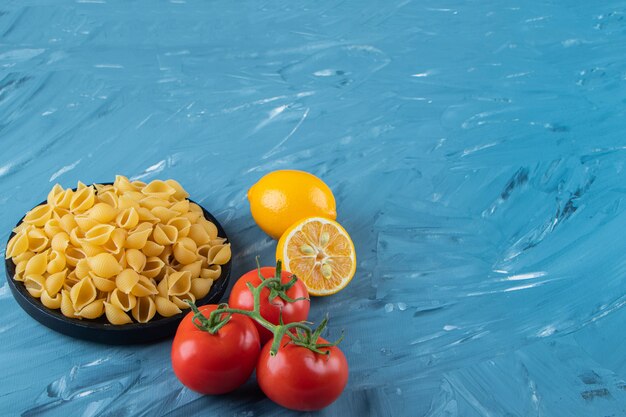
(476, 150)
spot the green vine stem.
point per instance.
(299, 332)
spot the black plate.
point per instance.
(99, 330)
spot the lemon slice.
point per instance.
(320, 252)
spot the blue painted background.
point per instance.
(476, 150)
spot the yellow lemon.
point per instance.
(281, 198)
(320, 252)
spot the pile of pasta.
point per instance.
(126, 250)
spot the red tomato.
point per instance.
(215, 363)
(300, 379)
(241, 298)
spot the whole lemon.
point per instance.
(281, 198)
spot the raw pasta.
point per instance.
(126, 251)
(116, 315)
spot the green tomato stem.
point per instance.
(304, 335)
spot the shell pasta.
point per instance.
(125, 252)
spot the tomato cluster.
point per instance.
(302, 374)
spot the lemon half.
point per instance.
(320, 252)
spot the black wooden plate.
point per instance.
(100, 330)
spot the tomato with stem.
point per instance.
(214, 354)
(300, 378)
(287, 297)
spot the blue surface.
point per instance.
(475, 149)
